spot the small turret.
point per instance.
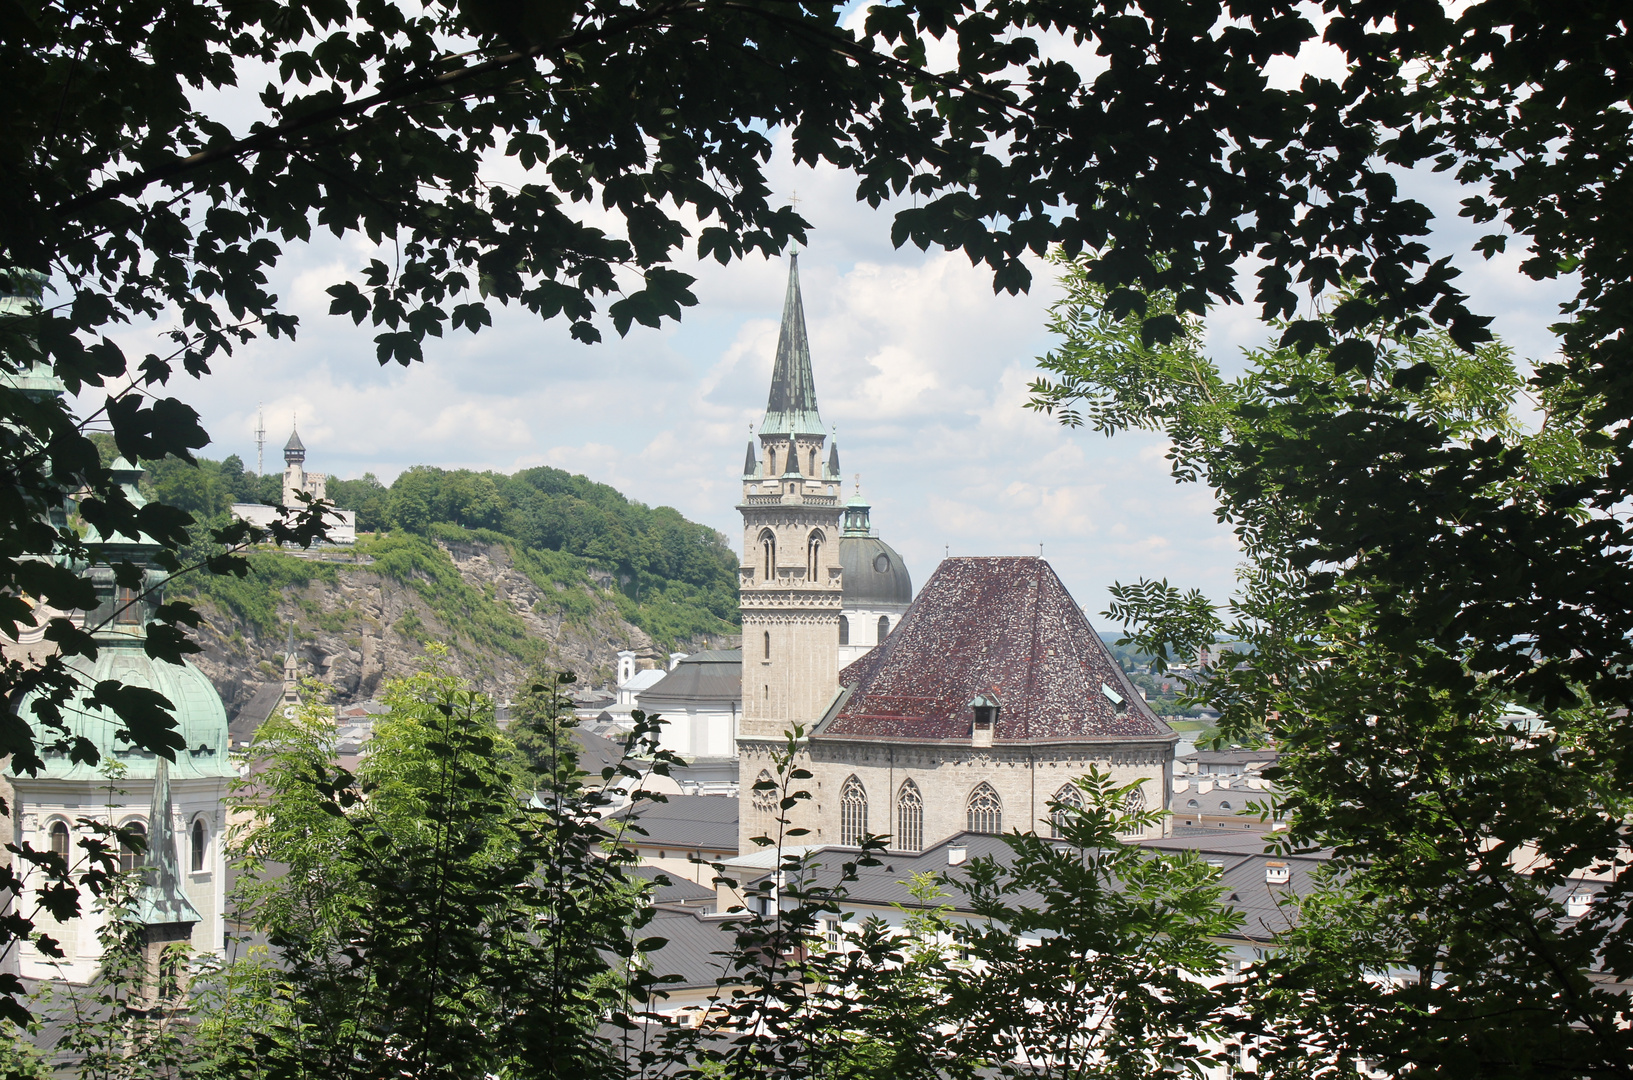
(294, 449)
(833, 461)
(751, 467)
(792, 453)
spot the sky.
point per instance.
(919, 366)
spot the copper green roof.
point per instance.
(792, 407)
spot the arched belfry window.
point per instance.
(812, 470)
(884, 628)
(986, 810)
(1134, 803)
(844, 630)
(768, 644)
(59, 838)
(768, 553)
(853, 812)
(201, 843)
(129, 857)
(763, 797)
(813, 554)
(1065, 799)
(909, 818)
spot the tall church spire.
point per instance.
(792, 407)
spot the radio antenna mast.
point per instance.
(260, 442)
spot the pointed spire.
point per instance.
(750, 466)
(792, 407)
(792, 456)
(833, 460)
(160, 900)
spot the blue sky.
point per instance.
(918, 364)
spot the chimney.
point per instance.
(955, 855)
(1276, 873)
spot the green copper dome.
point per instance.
(200, 718)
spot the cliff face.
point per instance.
(358, 620)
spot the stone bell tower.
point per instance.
(789, 582)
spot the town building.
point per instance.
(700, 701)
(971, 707)
(297, 482)
(50, 809)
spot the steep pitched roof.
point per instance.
(1006, 627)
(792, 407)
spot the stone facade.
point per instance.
(988, 696)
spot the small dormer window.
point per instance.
(1119, 704)
(985, 710)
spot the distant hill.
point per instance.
(509, 571)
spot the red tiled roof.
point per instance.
(1006, 627)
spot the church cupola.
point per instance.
(857, 516)
(294, 449)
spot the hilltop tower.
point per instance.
(790, 589)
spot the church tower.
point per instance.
(789, 584)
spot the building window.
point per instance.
(813, 555)
(59, 839)
(812, 470)
(1066, 799)
(201, 840)
(768, 553)
(986, 810)
(884, 627)
(129, 857)
(853, 812)
(768, 644)
(909, 818)
(1133, 803)
(844, 630)
(126, 610)
(763, 797)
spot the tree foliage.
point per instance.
(1451, 718)
(635, 129)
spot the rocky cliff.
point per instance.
(355, 619)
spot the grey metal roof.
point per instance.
(253, 713)
(692, 946)
(672, 888)
(1243, 868)
(702, 678)
(1220, 802)
(874, 573)
(792, 406)
(684, 822)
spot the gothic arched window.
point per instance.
(201, 841)
(1134, 803)
(844, 630)
(59, 838)
(853, 812)
(884, 628)
(813, 555)
(129, 857)
(812, 470)
(1067, 797)
(985, 810)
(768, 644)
(909, 818)
(763, 797)
(768, 553)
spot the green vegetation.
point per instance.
(580, 542)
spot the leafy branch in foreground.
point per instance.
(1428, 596)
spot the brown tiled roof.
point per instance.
(1005, 627)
